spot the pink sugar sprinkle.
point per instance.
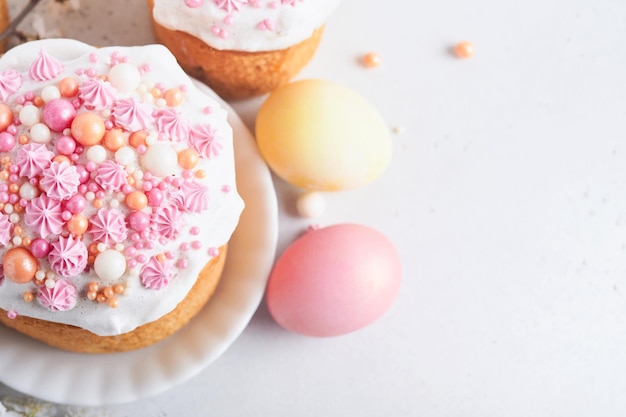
(4, 197)
(80, 71)
(12, 129)
(149, 245)
(93, 57)
(163, 241)
(226, 188)
(82, 189)
(13, 169)
(194, 230)
(196, 244)
(29, 95)
(11, 314)
(187, 174)
(169, 254)
(183, 88)
(132, 263)
(66, 215)
(141, 258)
(208, 110)
(20, 100)
(23, 202)
(141, 149)
(183, 264)
(115, 55)
(13, 178)
(147, 186)
(177, 182)
(216, 30)
(223, 34)
(14, 198)
(214, 251)
(130, 251)
(93, 187)
(127, 189)
(90, 166)
(4, 187)
(228, 20)
(184, 246)
(91, 72)
(108, 124)
(74, 157)
(125, 59)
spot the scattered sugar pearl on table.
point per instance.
(464, 49)
(371, 60)
(311, 204)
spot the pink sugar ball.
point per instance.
(334, 280)
(58, 114)
(138, 220)
(39, 247)
(76, 204)
(7, 142)
(66, 145)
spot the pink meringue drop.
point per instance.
(61, 297)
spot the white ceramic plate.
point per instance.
(82, 379)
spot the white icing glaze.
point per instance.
(214, 227)
(258, 25)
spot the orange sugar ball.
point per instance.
(200, 173)
(23, 139)
(91, 295)
(93, 248)
(114, 139)
(20, 265)
(17, 208)
(136, 200)
(14, 188)
(161, 257)
(17, 230)
(6, 159)
(38, 101)
(68, 87)
(28, 297)
(62, 158)
(371, 60)
(26, 241)
(78, 224)
(188, 158)
(98, 203)
(88, 129)
(108, 292)
(6, 117)
(119, 288)
(113, 303)
(101, 298)
(93, 286)
(464, 49)
(4, 175)
(173, 97)
(156, 93)
(137, 138)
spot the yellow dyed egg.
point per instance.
(320, 135)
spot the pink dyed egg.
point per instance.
(334, 281)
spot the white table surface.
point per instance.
(506, 199)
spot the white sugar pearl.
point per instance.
(160, 159)
(50, 283)
(97, 153)
(28, 191)
(125, 155)
(40, 133)
(124, 77)
(147, 98)
(311, 204)
(160, 102)
(29, 115)
(50, 275)
(101, 247)
(106, 113)
(119, 247)
(8, 208)
(40, 274)
(50, 93)
(110, 265)
(14, 218)
(89, 195)
(114, 203)
(17, 240)
(142, 89)
(138, 175)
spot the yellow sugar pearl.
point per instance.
(320, 135)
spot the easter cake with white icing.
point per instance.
(117, 194)
(241, 48)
